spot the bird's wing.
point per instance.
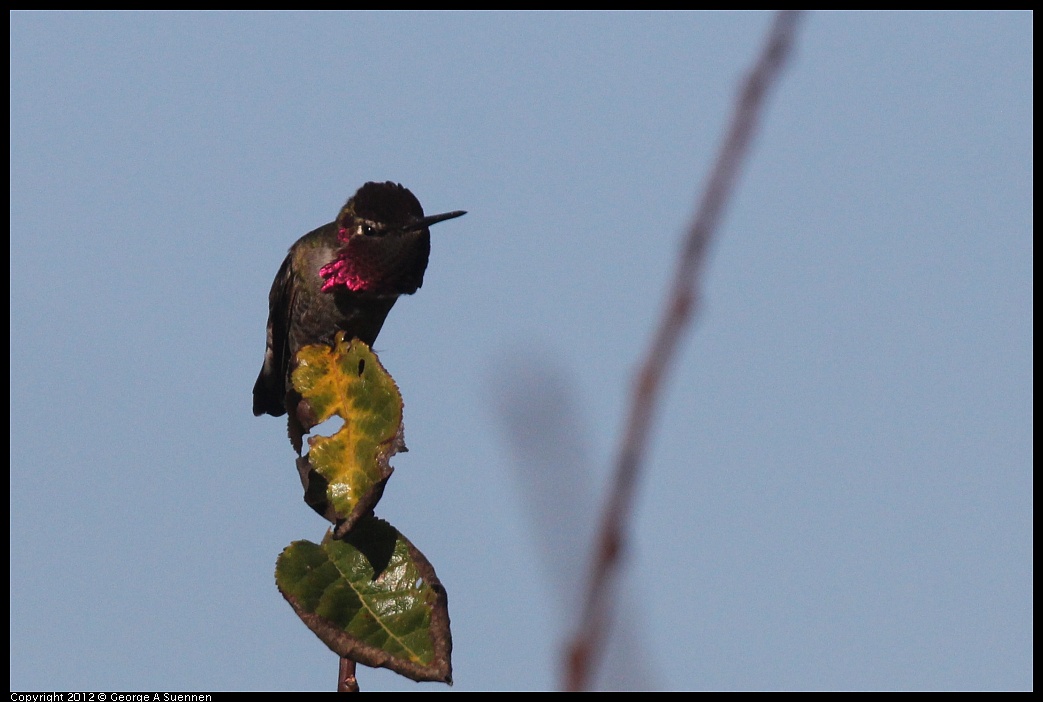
(270, 388)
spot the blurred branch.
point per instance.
(539, 408)
(586, 648)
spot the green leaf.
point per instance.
(344, 474)
(372, 597)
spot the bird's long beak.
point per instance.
(435, 219)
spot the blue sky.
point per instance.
(839, 489)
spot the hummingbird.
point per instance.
(343, 276)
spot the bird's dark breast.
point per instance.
(358, 315)
(315, 319)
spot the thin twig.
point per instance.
(587, 646)
(346, 680)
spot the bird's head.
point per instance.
(385, 242)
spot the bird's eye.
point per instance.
(367, 230)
